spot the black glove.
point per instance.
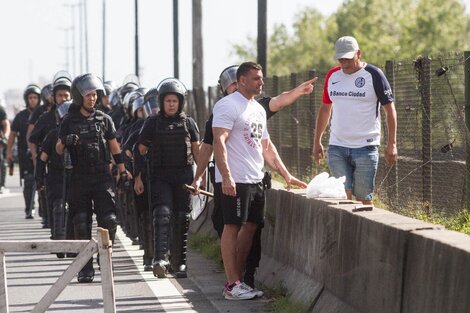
(71, 140)
(39, 184)
(124, 181)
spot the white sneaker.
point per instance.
(239, 292)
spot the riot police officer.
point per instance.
(173, 139)
(141, 196)
(47, 102)
(61, 83)
(54, 178)
(4, 134)
(19, 127)
(87, 133)
(105, 104)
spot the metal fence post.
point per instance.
(275, 82)
(295, 130)
(313, 118)
(466, 56)
(392, 179)
(425, 93)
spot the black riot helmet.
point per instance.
(61, 81)
(114, 98)
(46, 94)
(109, 87)
(138, 103)
(172, 86)
(151, 106)
(31, 88)
(62, 109)
(227, 77)
(127, 88)
(128, 101)
(83, 85)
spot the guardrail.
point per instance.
(85, 249)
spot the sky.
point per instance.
(35, 35)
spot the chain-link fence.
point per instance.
(431, 137)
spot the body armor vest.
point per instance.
(55, 162)
(92, 149)
(171, 144)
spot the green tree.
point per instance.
(307, 48)
(399, 29)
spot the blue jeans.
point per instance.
(359, 165)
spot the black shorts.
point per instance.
(247, 206)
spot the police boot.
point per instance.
(161, 220)
(87, 274)
(147, 264)
(58, 228)
(180, 240)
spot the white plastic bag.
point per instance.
(323, 186)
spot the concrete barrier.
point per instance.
(335, 260)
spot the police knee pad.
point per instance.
(82, 225)
(161, 215)
(109, 221)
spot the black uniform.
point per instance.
(125, 193)
(169, 141)
(54, 183)
(34, 116)
(20, 126)
(254, 256)
(142, 205)
(46, 122)
(91, 181)
(3, 151)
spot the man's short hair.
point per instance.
(245, 67)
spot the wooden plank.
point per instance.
(80, 261)
(53, 246)
(106, 268)
(3, 287)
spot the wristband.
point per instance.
(118, 158)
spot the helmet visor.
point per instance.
(61, 74)
(89, 84)
(63, 108)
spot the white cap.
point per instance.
(346, 47)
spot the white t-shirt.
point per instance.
(355, 120)
(247, 121)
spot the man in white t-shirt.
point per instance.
(352, 96)
(241, 146)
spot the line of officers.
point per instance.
(120, 152)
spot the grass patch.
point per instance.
(457, 222)
(206, 245)
(281, 303)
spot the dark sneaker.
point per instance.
(86, 275)
(181, 272)
(29, 217)
(148, 268)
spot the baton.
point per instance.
(202, 192)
